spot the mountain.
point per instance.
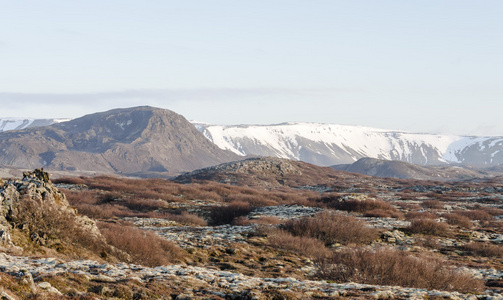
(399, 169)
(133, 141)
(20, 123)
(326, 144)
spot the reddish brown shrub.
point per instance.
(332, 228)
(361, 206)
(243, 221)
(457, 219)
(432, 204)
(392, 267)
(220, 215)
(484, 249)
(186, 218)
(420, 215)
(428, 227)
(381, 213)
(144, 247)
(302, 245)
(477, 214)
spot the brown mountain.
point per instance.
(133, 141)
(401, 169)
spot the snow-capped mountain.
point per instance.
(327, 144)
(20, 123)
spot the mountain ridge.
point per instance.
(128, 141)
(329, 144)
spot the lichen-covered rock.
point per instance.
(36, 194)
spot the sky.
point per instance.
(418, 65)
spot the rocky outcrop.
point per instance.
(36, 195)
(265, 171)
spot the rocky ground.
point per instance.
(238, 262)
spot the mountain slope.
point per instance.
(399, 169)
(325, 144)
(124, 141)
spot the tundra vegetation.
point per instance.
(379, 231)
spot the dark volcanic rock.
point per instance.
(123, 141)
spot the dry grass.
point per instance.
(307, 246)
(477, 214)
(458, 220)
(428, 227)
(432, 204)
(220, 215)
(143, 247)
(362, 206)
(265, 220)
(187, 219)
(332, 228)
(392, 267)
(45, 225)
(483, 249)
(420, 215)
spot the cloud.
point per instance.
(77, 104)
(173, 95)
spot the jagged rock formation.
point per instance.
(24, 202)
(134, 141)
(399, 169)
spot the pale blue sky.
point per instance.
(417, 65)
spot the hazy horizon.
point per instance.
(419, 66)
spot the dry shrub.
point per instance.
(144, 247)
(220, 215)
(302, 245)
(143, 205)
(493, 211)
(458, 220)
(428, 227)
(381, 213)
(332, 228)
(265, 220)
(186, 218)
(362, 206)
(420, 215)
(385, 266)
(253, 200)
(54, 227)
(484, 249)
(476, 214)
(432, 204)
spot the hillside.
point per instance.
(268, 172)
(400, 169)
(134, 141)
(326, 144)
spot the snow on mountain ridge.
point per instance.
(328, 144)
(22, 123)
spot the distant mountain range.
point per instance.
(140, 141)
(400, 169)
(146, 141)
(326, 145)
